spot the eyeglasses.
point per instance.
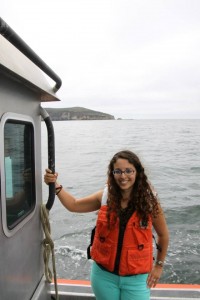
(127, 171)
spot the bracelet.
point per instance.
(58, 189)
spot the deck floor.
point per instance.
(77, 290)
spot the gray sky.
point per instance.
(129, 58)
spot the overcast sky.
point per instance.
(129, 58)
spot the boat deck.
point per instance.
(81, 290)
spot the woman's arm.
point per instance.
(160, 226)
(87, 204)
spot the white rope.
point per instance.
(48, 245)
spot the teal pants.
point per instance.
(107, 286)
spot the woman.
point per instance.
(122, 248)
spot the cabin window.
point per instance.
(19, 170)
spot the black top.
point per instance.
(124, 216)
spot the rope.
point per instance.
(48, 248)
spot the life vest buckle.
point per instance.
(141, 247)
(102, 239)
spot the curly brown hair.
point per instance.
(142, 199)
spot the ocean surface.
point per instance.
(170, 153)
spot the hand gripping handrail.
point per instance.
(51, 154)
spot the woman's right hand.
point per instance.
(49, 177)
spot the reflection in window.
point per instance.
(19, 170)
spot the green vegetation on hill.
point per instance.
(76, 113)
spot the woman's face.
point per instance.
(124, 174)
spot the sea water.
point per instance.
(170, 153)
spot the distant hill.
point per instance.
(76, 113)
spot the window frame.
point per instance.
(21, 119)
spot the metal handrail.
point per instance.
(51, 154)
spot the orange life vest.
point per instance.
(137, 250)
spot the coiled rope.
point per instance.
(48, 245)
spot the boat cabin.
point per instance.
(23, 87)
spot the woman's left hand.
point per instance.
(154, 276)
